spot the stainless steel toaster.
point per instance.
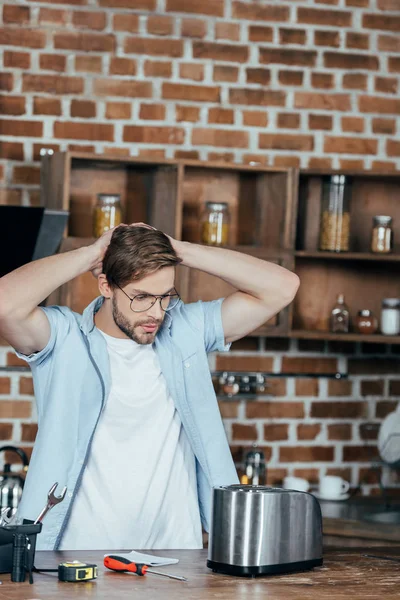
(258, 530)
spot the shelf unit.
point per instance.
(275, 215)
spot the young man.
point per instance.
(128, 418)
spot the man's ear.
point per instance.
(104, 286)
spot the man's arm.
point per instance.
(22, 323)
(263, 287)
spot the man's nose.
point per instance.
(156, 311)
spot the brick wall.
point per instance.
(310, 84)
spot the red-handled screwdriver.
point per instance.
(120, 563)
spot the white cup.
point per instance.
(333, 486)
(296, 483)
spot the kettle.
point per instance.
(11, 484)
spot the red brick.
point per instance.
(225, 73)
(313, 101)
(372, 388)
(308, 432)
(352, 164)
(385, 22)
(393, 148)
(221, 115)
(25, 175)
(255, 118)
(355, 81)
(340, 387)
(260, 33)
(81, 148)
(394, 388)
(16, 14)
(122, 66)
(157, 69)
(153, 135)
(349, 145)
(372, 366)
(53, 62)
(358, 3)
(52, 84)
(339, 410)
(307, 387)
(53, 16)
(355, 124)
(189, 155)
(160, 25)
(341, 431)
(243, 432)
(152, 112)
(369, 431)
(193, 28)
(26, 386)
(17, 60)
(83, 131)
(88, 64)
(389, 43)
(394, 64)
(274, 410)
(118, 110)
(327, 38)
(320, 163)
(275, 477)
(257, 97)
(192, 71)
(316, 16)
(276, 387)
(259, 76)
(287, 161)
(149, 5)
(293, 454)
(360, 453)
(224, 52)
(6, 82)
(288, 120)
(301, 58)
(12, 105)
(360, 41)
(153, 46)
(227, 31)
(6, 431)
(220, 137)
(5, 385)
(386, 85)
(12, 150)
(308, 365)
(243, 363)
(126, 22)
(385, 407)
(189, 114)
(27, 38)
(228, 410)
(214, 8)
(389, 5)
(344, 60)
(255, 159)
(370, 476)
(122, 87)
(85, 109)
(29, 432)
(259, 12)
(291, 77)
(312, 475)
(276, 431)
(292, 36)
(323, 80)
(89, 20)
(21, 128)
(46, 106)
(85, 42)
(285, 141)
(15, 409)
(11, 197)
(383, 165)
(198, 93)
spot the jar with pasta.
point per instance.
(335, 214)
(106, 214)
(215, 224)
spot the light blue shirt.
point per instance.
(71, 378)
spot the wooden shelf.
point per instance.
(348, 256)
(345, 337)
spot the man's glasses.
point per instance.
(143, 302)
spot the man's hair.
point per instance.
(135, 252)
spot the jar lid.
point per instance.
(109, 198)
(339, 179)
(391, 303)
(382, 219)
(365, 313)
(217, 205)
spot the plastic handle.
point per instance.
(120, 563)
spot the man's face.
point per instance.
(142, 327)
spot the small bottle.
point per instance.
(255, 470)
(215, 224)
(390, 316)
(335, 213)
(366, 322)
(107, 213)
(340, 316)
(382, 235)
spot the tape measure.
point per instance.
(76, 571)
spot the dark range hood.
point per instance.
(28, 233)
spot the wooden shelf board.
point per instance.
(369, 256)
(345, 337)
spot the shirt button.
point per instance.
(69, 494)
(187, 365)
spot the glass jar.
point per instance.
(106, 214)
(215, 224)
(366, 322)
(390, 316)
(255, 471)
(382, 235)
(340, 316)
(335, 214)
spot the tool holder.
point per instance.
(8, 548)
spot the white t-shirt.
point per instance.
(139, 488)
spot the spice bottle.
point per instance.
(255, 471)
(107, 213)
(366, 322)
(382, 235)
(340, 316)
(215, 224)
(390, 316)
(335, 213)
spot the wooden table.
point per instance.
(346, 573)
